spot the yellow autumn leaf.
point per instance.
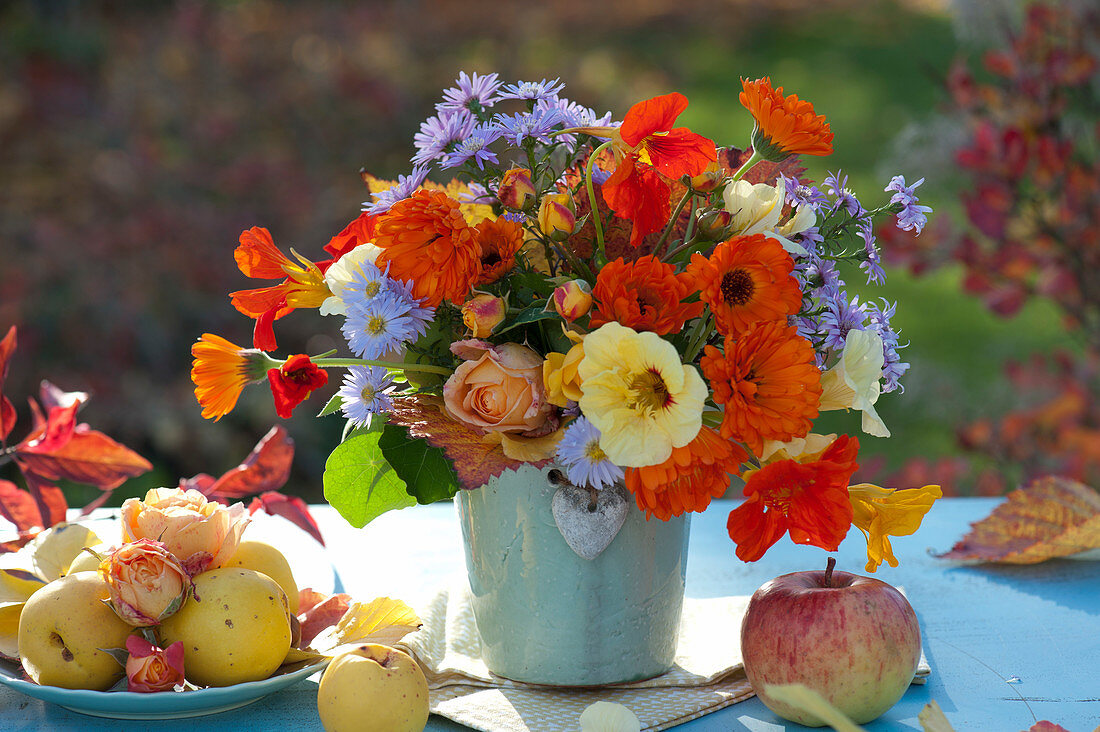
(932, 718)
(382, 620)
(1052, 517)
(54, 550)
(9, 628)
(810, 702)
(474, 213)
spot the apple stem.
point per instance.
(829, 571)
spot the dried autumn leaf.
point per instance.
(731, 159)
(1045, 726)
(1052, 517)
(7, 409)
(88, 457)
(18, 506)
(292, 508)
(810, 702)
(266, 468)
(932, 718)
(382, 620)
(474, 460)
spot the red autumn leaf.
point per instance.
(475, 461)
(102, 498)
(1047, 726)
(309, 598)
(18, 506)
(54, 396)
(7, 409)
(292, 508)
(203, 483)
(55, 434)
(51, 502)
(266, 468)
(323, 615)
(88, 457)
(1052, 517)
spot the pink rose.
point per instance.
(498, 388)
(146, 583)
(150, 668)
(202, 534)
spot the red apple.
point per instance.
(852, 639)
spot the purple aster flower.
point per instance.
(365, 393)
(518, 216)
(839, 318)
(799, 195)
(406, 185)
(470, 93)
(533, 90)
(878, 319)
(437, 134)
(838, 188)
(474, 148)
(477, 193)
(912, 216)
(873, 264)
(534, 125)
(584, 461)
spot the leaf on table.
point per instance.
(292, 508)
(932, 718)
(474, 460)
(318, 612)
(9, 628)
(810, 702)
(53, 551)
(266, 468)
(1052, 517)
(1045, 726)
(383, 620)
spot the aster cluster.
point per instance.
(624, 299)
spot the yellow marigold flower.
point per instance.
(639, 395)
(884, 512)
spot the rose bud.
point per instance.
(709, 179)
(572, 300)
(516, 191)
(150, 669)
(713, 226)
(482, 313)
(557, 216)
(145, 582)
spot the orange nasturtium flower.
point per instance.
(884, 512)
(689, 479)
(649, 151)
(221, 370)
(644, 295)
(746, 279)
(784, 126)
(303, 284)
(425, 238)
(809, 500)
(766, 382)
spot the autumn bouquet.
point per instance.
(625, 299)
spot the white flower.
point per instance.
(609, 717)
(853, 383)
(757, 209)
(343, 272)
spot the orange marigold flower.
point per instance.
(810, 500)
(293, 382)
(425, 238)
(303, 284)
(643, 295)
(689, 479)
(767, 383)
(746, 279)
(221, 370)
(499, 241)
(784, 126)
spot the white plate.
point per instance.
(161, 705)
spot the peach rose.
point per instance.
(498, 388)
(150, 668)
(201, 534)
(146, 583)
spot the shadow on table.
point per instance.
(1071, 583)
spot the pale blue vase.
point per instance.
(548, 616)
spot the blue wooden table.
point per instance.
(1007, 645)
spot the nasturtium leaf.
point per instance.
(427, 473)
(266, 468)
(360, 484)
(1052, 517)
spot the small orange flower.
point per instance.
(221, 371)
(784, 126)
(303, 284)
(425, 238)
(689, 479)
(499, 240)
(643, 295)
(767, 383)
(359, 231)
(810, 500)
(745, 280)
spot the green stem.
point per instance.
(753, 159)
(698, 338)
(592, 197)
(679, 250)
(672, 220)
(343, 362)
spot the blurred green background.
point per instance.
(138, 141)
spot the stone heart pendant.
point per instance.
(588, 529)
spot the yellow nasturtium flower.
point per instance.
(559, 373)
(853, 383)
(884, 512)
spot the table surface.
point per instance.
(1008, 645)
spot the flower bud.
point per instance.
(557, 216)
(709, 179)
(516, 191)
(572, 300)
(713, 225)
(482, 313)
